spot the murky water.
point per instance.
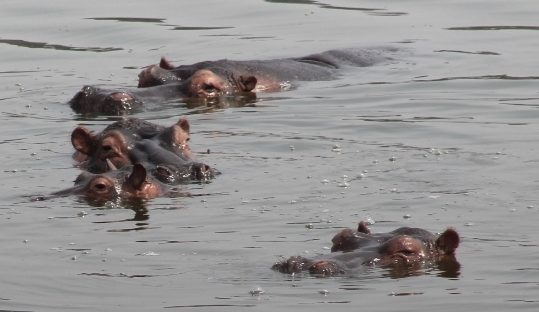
(444, 136)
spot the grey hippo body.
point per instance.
(403, 250)
(221, 79)
(272, 74)
(161, 150)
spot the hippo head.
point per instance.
(116, 143)
(403, 249)
(404, 245)
(205, 83)
(348, 239)
(155, 75)
(92, 100)
(127, 184)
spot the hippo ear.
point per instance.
(363, 228)
(183, 124)
(179, 133)
(83, 140)
(137, 177)
(448, 241)
(340, 239)
(247, 83)
(166, 64)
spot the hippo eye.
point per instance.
(407, 252)
(100, 187)
(209, 88)
(108, 150)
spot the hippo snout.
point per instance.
(202, 172)
(81, 99)
(91, 100)
(118, 103)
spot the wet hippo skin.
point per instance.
(404, 250)
(221, 78)
(203, 83)
(126, 183)
(133, 140)
(271, 75)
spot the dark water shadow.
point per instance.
(211, 306)
(513, 102)
(484, 77)
(494, 28)
(118, 275)
(370, 11)
(45, 45)
(129, 19)
(198, 28)
(156, 21)
(468, 52)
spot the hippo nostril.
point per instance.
(121, 97)
(164, 174)
(201, 171)
(87, 90)
(119, 102)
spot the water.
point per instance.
(444, 136)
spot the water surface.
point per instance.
(443, 136)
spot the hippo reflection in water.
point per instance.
(222, 78)
(403, 250)
(164, 151)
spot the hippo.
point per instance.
(270, 75)
(402, 250)
(201, 84)
(132, 140)
(213, 81)
(131, 182)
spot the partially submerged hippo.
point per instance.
(201, 84)
(133, 140)
(220, 79)
(403, 248)
(271, 75)
(131, 182)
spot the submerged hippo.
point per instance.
(271, 75)
(220, 79)
(133, 140)
(132, 182)
(201, 84)
(403, 248)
